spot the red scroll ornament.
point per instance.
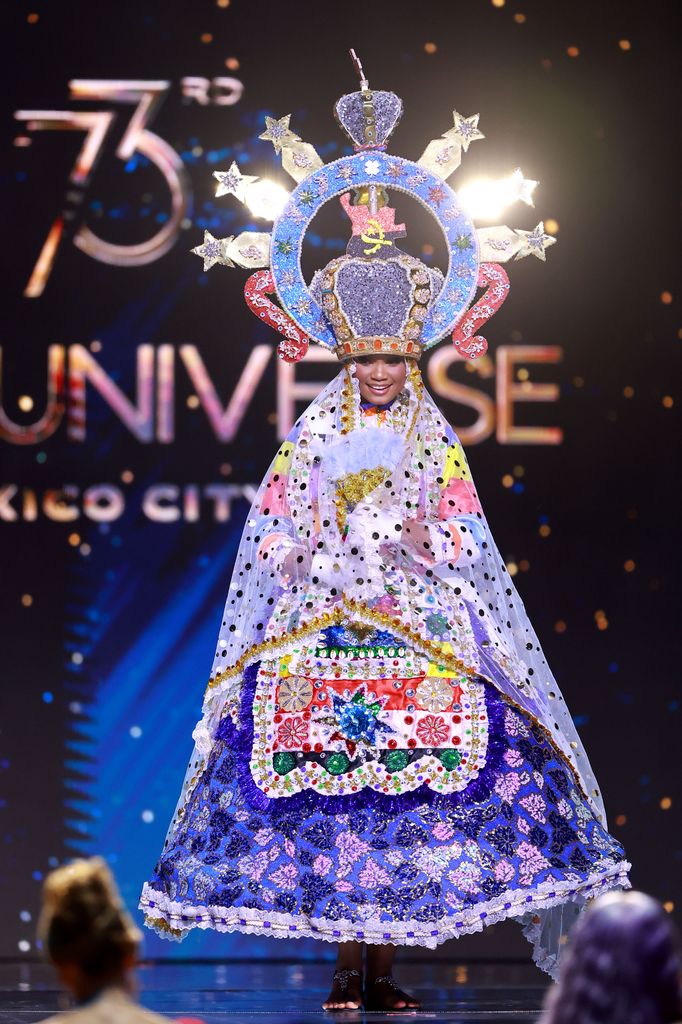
(492, 275)
(294, 343)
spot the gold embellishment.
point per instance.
(160, 925)
(352, 488)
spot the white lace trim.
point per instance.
(162, 913)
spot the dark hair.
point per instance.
(622, 966)
(84, 921)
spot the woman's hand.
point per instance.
(417, 535)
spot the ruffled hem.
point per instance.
(172, 920)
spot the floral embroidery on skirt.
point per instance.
(415, 869)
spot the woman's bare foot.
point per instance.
(383, 994)
(346, 993)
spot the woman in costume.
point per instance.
(384, 756)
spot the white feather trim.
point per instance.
(362, 449)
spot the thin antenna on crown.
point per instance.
(364, 84)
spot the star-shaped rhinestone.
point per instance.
(277, 132)
(212, 251)
(534, 242)
(284, 247)
(463, 242)
(345, 172)
(437, 194)
(465, 130)
(395, 171)
(233, 182)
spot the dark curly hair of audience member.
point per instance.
(622, 966)
(83, 920)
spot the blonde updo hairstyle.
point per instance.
(84, 922)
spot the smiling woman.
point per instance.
(384, 756)
(381, 378)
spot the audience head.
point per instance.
(622, 966)
(86, 930)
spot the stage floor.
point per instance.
(284, 993)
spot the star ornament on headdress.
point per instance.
(523, 187)
(534, 243)
(213, 250)
(233, 182)
(277, 132)
(465, 130)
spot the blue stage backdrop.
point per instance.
(142, 403)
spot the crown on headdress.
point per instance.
(375, 298)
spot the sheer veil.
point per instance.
(294, 521)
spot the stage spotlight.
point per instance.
(487, 200)
(266, 199)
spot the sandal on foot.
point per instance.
(340, 981)
(386, 1000)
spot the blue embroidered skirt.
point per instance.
(380, 863)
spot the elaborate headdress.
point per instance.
(375, 298)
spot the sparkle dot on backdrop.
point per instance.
(225, 469)
(551, 226)
(75, 707)
(25, 403)
(135, 732)
(507, 480)
(48, 697)
(192, 402)
(669, 906)
(430, 48)
(85, 550)
(516, 336)
(147, 816)
(518, 471)
(95, 346)
(512, 568)
(427, 250)
(77, 658)
(578, 382)
(667, 402)
(41, 457)
(628, 391)
(74, 539)
(522, 373)
(524, 565)
(665, 803)
(26, 600)
(629, 565)
(624, 44)
(206, 37)
(498, 3)
(222, 3)
(519, 18)
(25, 915)
(127, 476)
(272, 418)
(32, 18)
(620, 819)
(666, 298)
(232, 64)
(545, 530)
(560, 626)
(24, 945)
(573, 51)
